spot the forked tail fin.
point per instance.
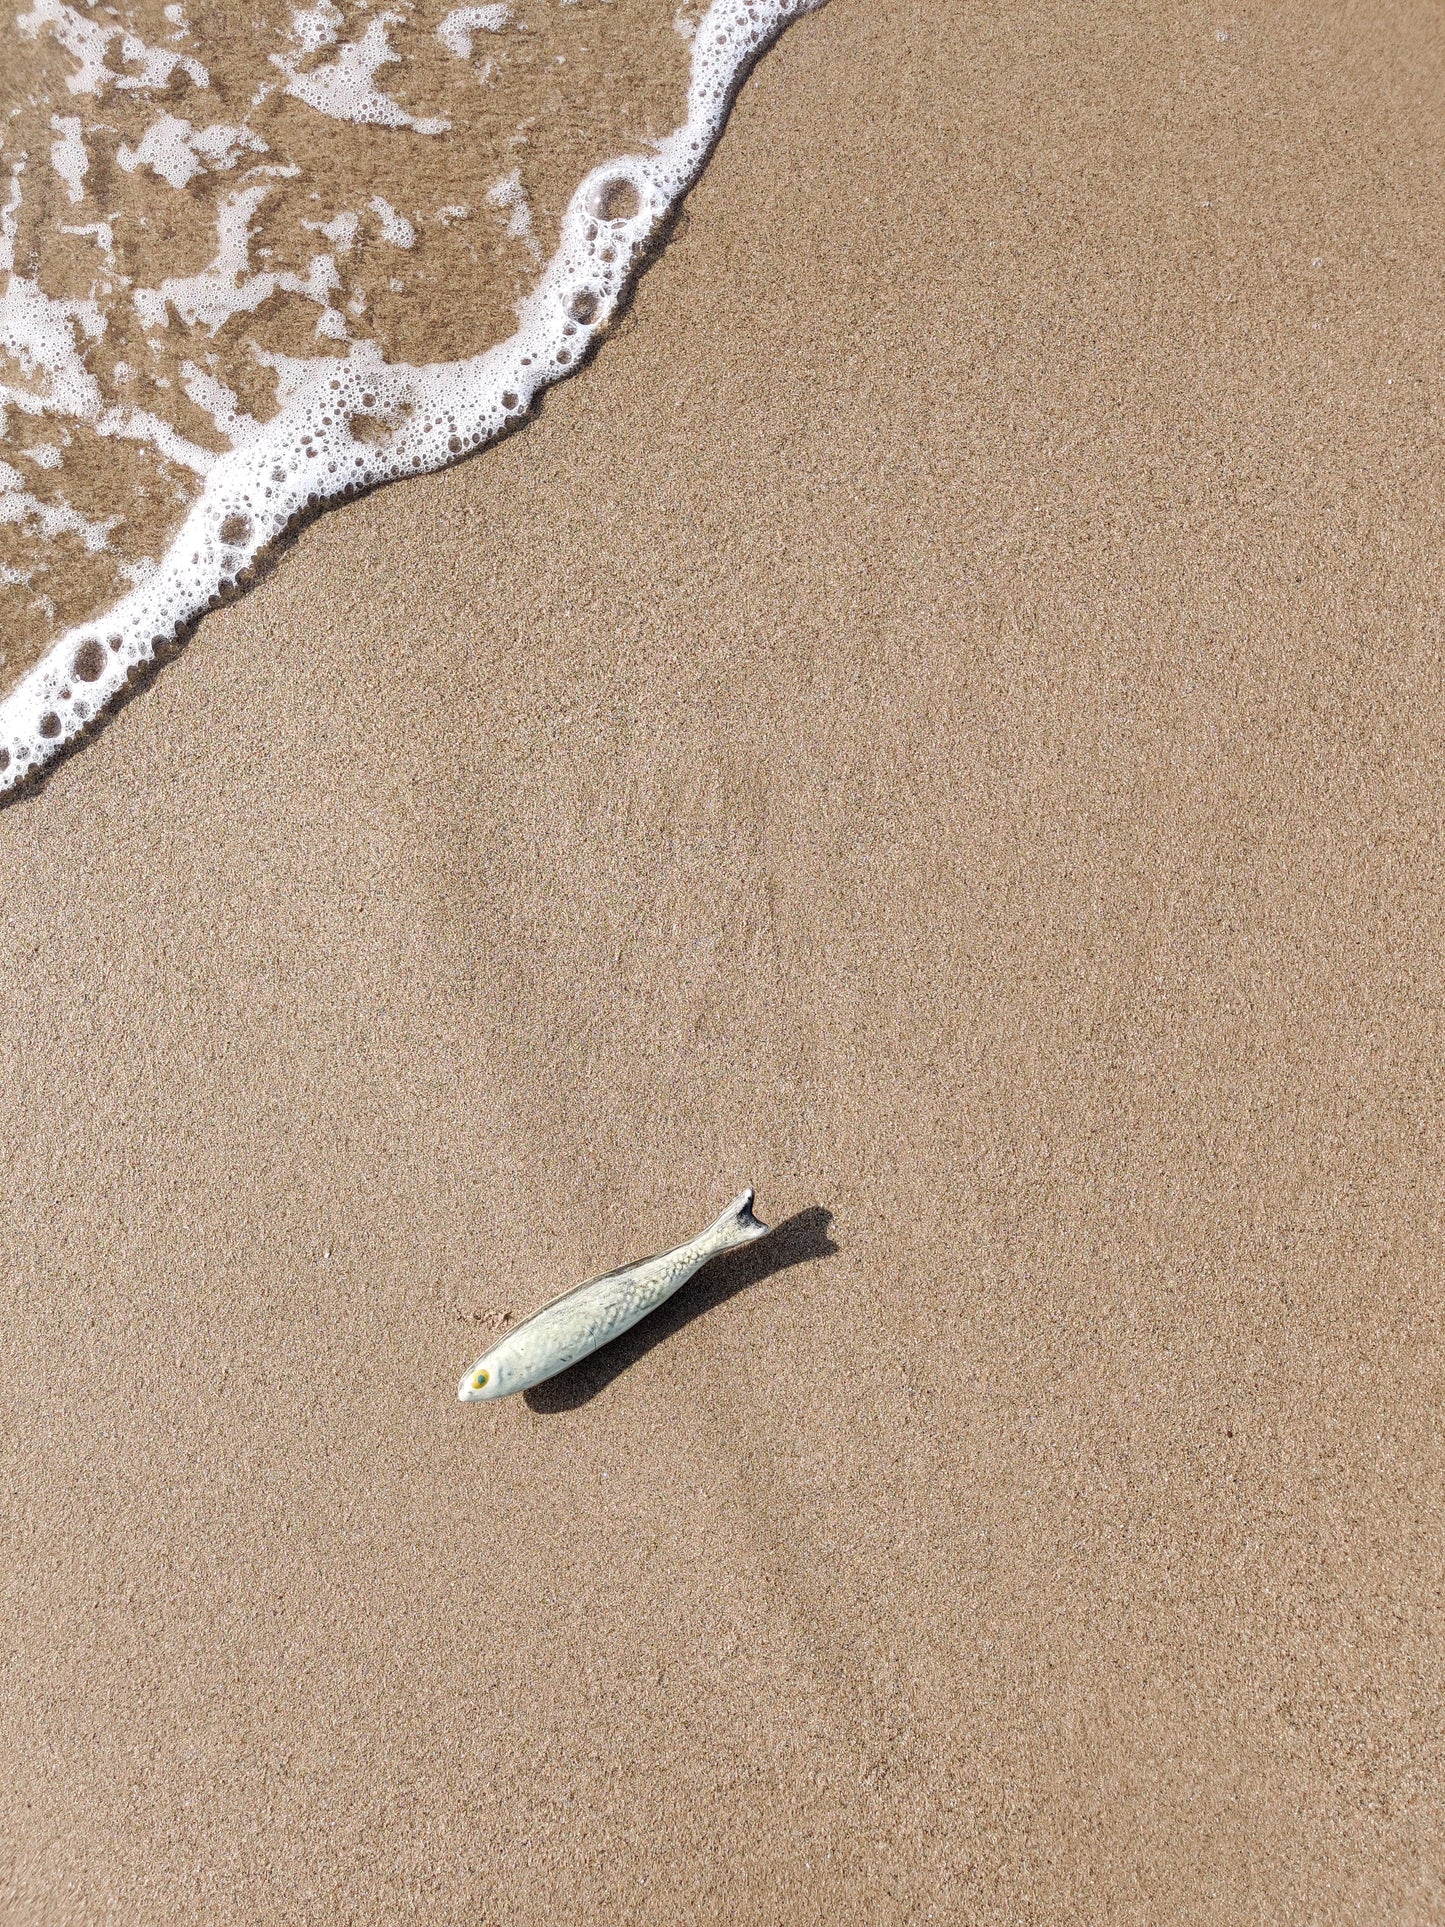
(737, 1225)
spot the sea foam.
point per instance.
(349, 423)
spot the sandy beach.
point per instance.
(941, 721)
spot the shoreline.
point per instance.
(368, 421)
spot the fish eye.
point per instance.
(479, 1381)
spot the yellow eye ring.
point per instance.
(479, 1381)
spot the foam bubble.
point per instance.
(507, 193)
(455, 32)
(177, 152)
(346, 424)
(345, 88)
(90, 44)
(394, 227)
(68, 156)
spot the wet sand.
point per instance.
(941, 721)
(379, 235)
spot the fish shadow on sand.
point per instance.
(796, 1241)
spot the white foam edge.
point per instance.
(306, 456)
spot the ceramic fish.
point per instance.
(588, 1317)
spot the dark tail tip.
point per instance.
(741, 1218)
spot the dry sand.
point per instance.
(943, 721)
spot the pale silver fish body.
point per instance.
(581, 1321)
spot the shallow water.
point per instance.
(254, 265)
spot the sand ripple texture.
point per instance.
(254, 265)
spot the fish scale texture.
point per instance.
(588, 1317)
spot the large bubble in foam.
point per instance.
(364, 421)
